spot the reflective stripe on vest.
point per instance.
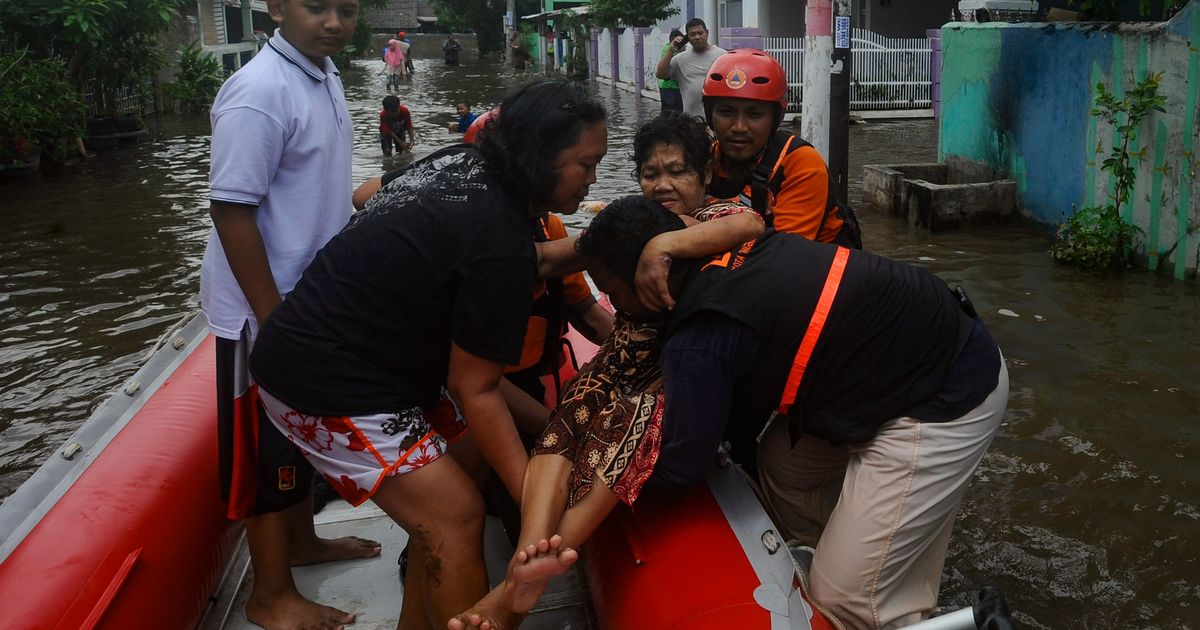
(820, 313)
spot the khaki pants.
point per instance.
(882, 543)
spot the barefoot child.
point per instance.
(395, 119)
(280, 182)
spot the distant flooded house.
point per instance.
(231, 30)
(413, 16)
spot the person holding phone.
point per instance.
(668, 90)
(688, 68)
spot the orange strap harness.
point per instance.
(820, 314)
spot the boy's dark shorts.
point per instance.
(261, 470)
(385, 142)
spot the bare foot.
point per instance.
(292, 612)
(333, 550)
(489, 613)
(535, 565)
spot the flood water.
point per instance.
(1086, 511)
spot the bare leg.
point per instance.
(545, 494)
(414, 614)
(442, 511)
(308, 548)
(540, 558)
(466, 453)
(274, 602)
(540, 561)
(584, 517)
(530, 415)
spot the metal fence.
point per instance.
(887, 73)
(128, 100)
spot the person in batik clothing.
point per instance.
(602, 439)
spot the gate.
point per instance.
(888, 74)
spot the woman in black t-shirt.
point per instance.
(429, 285)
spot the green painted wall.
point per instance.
(1017, 98)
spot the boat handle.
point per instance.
(104, 602)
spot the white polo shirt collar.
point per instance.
(293, 56)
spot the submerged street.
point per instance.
(1084, 511)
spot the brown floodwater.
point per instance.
(1086, 511)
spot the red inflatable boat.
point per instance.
(122, 528)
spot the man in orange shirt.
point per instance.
(771, 170)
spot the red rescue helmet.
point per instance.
(477, 126)
(746, 73)
(401, 35)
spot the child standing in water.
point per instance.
(465, 117)
(395, 119)
(393, 61)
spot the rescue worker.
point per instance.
(850, 362)
(781, 176)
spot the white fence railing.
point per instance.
(887, 73)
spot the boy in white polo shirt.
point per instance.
(281, 188)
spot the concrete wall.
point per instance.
(1017, 97)
(399, 15)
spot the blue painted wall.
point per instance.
(1017, 98)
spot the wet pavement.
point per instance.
(1085, 511)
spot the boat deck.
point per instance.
(372, 588)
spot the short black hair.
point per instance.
(674, 33)
(695, 22)
(616, 237)
(462, 102)
(391, 103)
(674, 129)
(536, 123)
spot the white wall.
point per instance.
(628, 60)
(651, 53)
(604, 54)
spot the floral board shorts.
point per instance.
(355, 453)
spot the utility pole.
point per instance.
(839, 96)
(818, 47)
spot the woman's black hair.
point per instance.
(675, 129)
(536, 123)
(621, 230)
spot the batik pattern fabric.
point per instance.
(609, 421)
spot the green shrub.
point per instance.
(199, 78)
(40, 111)
(1097, 239)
